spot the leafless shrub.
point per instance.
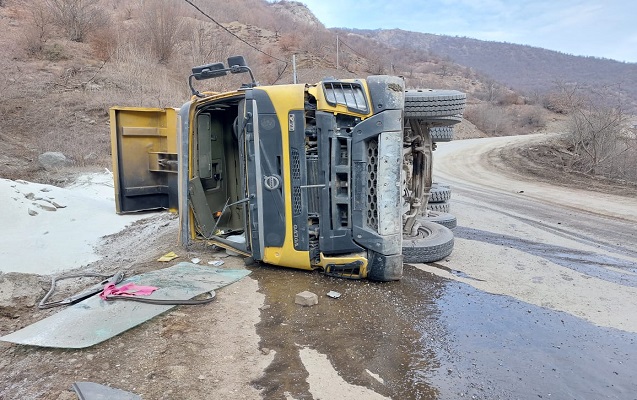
(77, 17)
(202, 43)
(136, 83)
(596, 132)
(490, 119)
(37, 29)
(161, 25)
(289, 41)
(103, 42)
(564, 98)
(507, 98)
(532, 117)
(54, 52)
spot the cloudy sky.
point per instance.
(600, 28)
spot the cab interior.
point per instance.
(217, 188)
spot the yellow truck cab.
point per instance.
(301, 176)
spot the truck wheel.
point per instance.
(439, 193)
(423, 103)
(441, 133)
(433, 243)
(444, 219)
(439, 207)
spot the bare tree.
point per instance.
(37, 32)
(162, 24)
(597, 131)
(77, 17)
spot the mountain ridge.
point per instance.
(503, 61)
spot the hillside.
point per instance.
(59, 82)
(526, 68)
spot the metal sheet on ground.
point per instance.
(95, 391)
(94, 320)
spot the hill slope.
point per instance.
(522, 67)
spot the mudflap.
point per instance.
(384, 268)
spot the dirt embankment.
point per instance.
(549, 159)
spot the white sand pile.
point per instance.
(46, 229)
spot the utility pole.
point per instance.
(337, 51)
(294, 79)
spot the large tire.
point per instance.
(433, 243)
(444, 219)
(439, 207)
(439, 193)
(424, 103)
(441, 134)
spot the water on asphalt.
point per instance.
(427, 337)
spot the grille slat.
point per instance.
(372, 178)
(313, 194)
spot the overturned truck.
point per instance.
(333, 176)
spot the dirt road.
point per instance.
(538, 300)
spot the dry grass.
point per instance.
(57, 91)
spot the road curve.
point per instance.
(564, 249)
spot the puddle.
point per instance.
(504, 348)
(427, 338)
(370, 327)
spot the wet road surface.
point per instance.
(538, 300)
(429, 338)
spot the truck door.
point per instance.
(145, 164)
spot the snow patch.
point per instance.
(47, 229)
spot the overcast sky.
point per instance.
(600, 28)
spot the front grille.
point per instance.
(348, 94)
(296, 200)
(296, 165)
(313, 193)
(372, 175)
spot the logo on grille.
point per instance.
(291, 123)
(272, 182)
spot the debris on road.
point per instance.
(92, 390)
(95, 320)
(112, 280)
(168, 257)
(306, 298)
(216, 263)
(333, 294)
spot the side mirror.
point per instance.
(237, 64)
(208, 71)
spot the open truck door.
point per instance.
(145, 164)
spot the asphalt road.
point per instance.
(538, 300)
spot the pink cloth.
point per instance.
(129, 289)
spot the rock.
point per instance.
(306, 298)
(52, 160)
(265, 351)
(57, 205)
(46, 207)
(32, 213)
(19, 290)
